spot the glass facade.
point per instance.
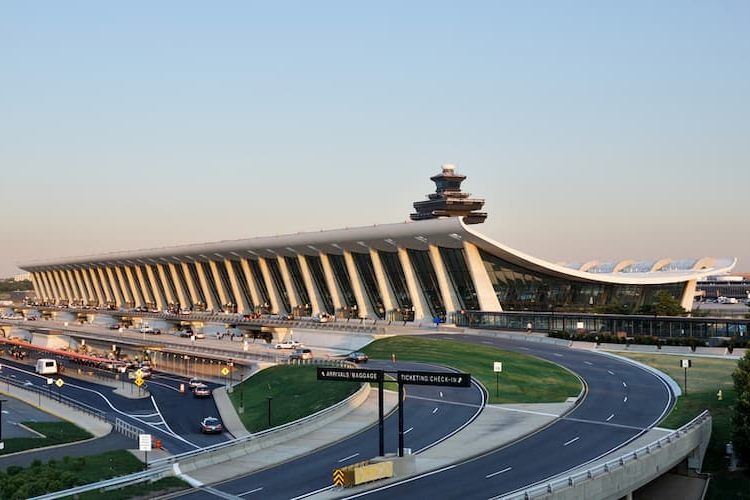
(519, 288)
(260, 283)
(394, 273)
(242, 283)
(278, 281)
(420, 261)
(319, 278)
(212, 285)
(363, 263)
(341, 274)
(455, 264)
(295, 272)
(197, 282)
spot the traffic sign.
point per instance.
(139, 381)
(449, 379)
(59, 382)
(338, 477)
(50, 381)
(2, 445)
(350, 375)
(498, 366)
(686, 363)
(225, 371)
(138, 373)
(144, 442)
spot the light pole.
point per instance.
(269, 398)
(2, 445)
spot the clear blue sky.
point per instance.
(593, 129)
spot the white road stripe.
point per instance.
(557, 354)
(610, 417)
(249, 492)
(588, 363)
(441, 394)
(349, 457)
(625, 400)
(435, 410)
(625, 385)
(610, 372)
(572, 441)
(407, 431)
(498, 472)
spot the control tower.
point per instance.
(448, 200)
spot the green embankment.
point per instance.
(705, 378)
(295, 393)
(524, 379)
(55, 432)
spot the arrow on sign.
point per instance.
(338, 477)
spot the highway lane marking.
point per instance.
(407, 431)
(610, 372)
(498, 472)
(311, 493)
(525, 348)
(589, 363)
(625, 385)
(435, 410)
(249, 492)
(610, 417)
(349, 457)
(441, 394)
(218, 493)
(164, 385)
(625, 400)
(558, 355)
(572, 441)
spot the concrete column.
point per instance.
(225, 299)
(250, 280)
(64, 294)
(127, 294)
(688, 295)
(135, 291)
(482, 284)
(75, 285)
(90, 273)
(204, 285)
(184, 296)
(161, 275)
(239, 298)
(49, 294)
(105, 283)
(421, 309)
(194, 298)
(450, 301)
(37, 287)
(88, 295)
(389, 298)
(336, 294)
(312, 291)
(276, 304)
(288, 283)
(161, 301)
(66, 284)
(140, 281)
(363, 304)
(117, 292)
(84, 272)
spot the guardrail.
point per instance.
(126, 429)
(563, 481)
(112, 483)
(281, 429)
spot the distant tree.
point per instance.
(664, 305)
(741, 417)
(15, 286)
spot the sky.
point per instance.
(594, 130)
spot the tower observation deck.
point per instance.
(448, 200)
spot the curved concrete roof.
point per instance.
(446, 232)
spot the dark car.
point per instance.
(301, 355)
(357, 357)
(115, 326)
(211, 425)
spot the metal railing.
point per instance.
(563, 481)
(126, 429)
(107, 484)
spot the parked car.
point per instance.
(201, 391)
(289, 344)
(357, 357)
(301, 355)
(211, 425)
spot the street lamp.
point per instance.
(2, 445)
(269, 398)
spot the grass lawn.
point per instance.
(18, 482)
(295, 391)
(525, 379)
(705, 378)
(56, 432)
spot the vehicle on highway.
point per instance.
(114, 326)
(201, 391)
(195, 382)
(148, 329)
(357, 357)
(186, 311)
(199, 335)
(322, 318)
(211, 425)
(46, 366)
(301, 355)
(289, 344)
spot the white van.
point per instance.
(46, 366)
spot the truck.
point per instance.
(46, 366)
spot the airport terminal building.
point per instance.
(429, 267)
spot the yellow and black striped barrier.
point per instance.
(362, 472)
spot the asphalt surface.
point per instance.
(168, 415)
(16, 412)
(622, 402)
(429, 417)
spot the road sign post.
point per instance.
(2, 444)
(498, 367)
(361, 375)
(686, 363)
(447, 379)
(144, 445)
